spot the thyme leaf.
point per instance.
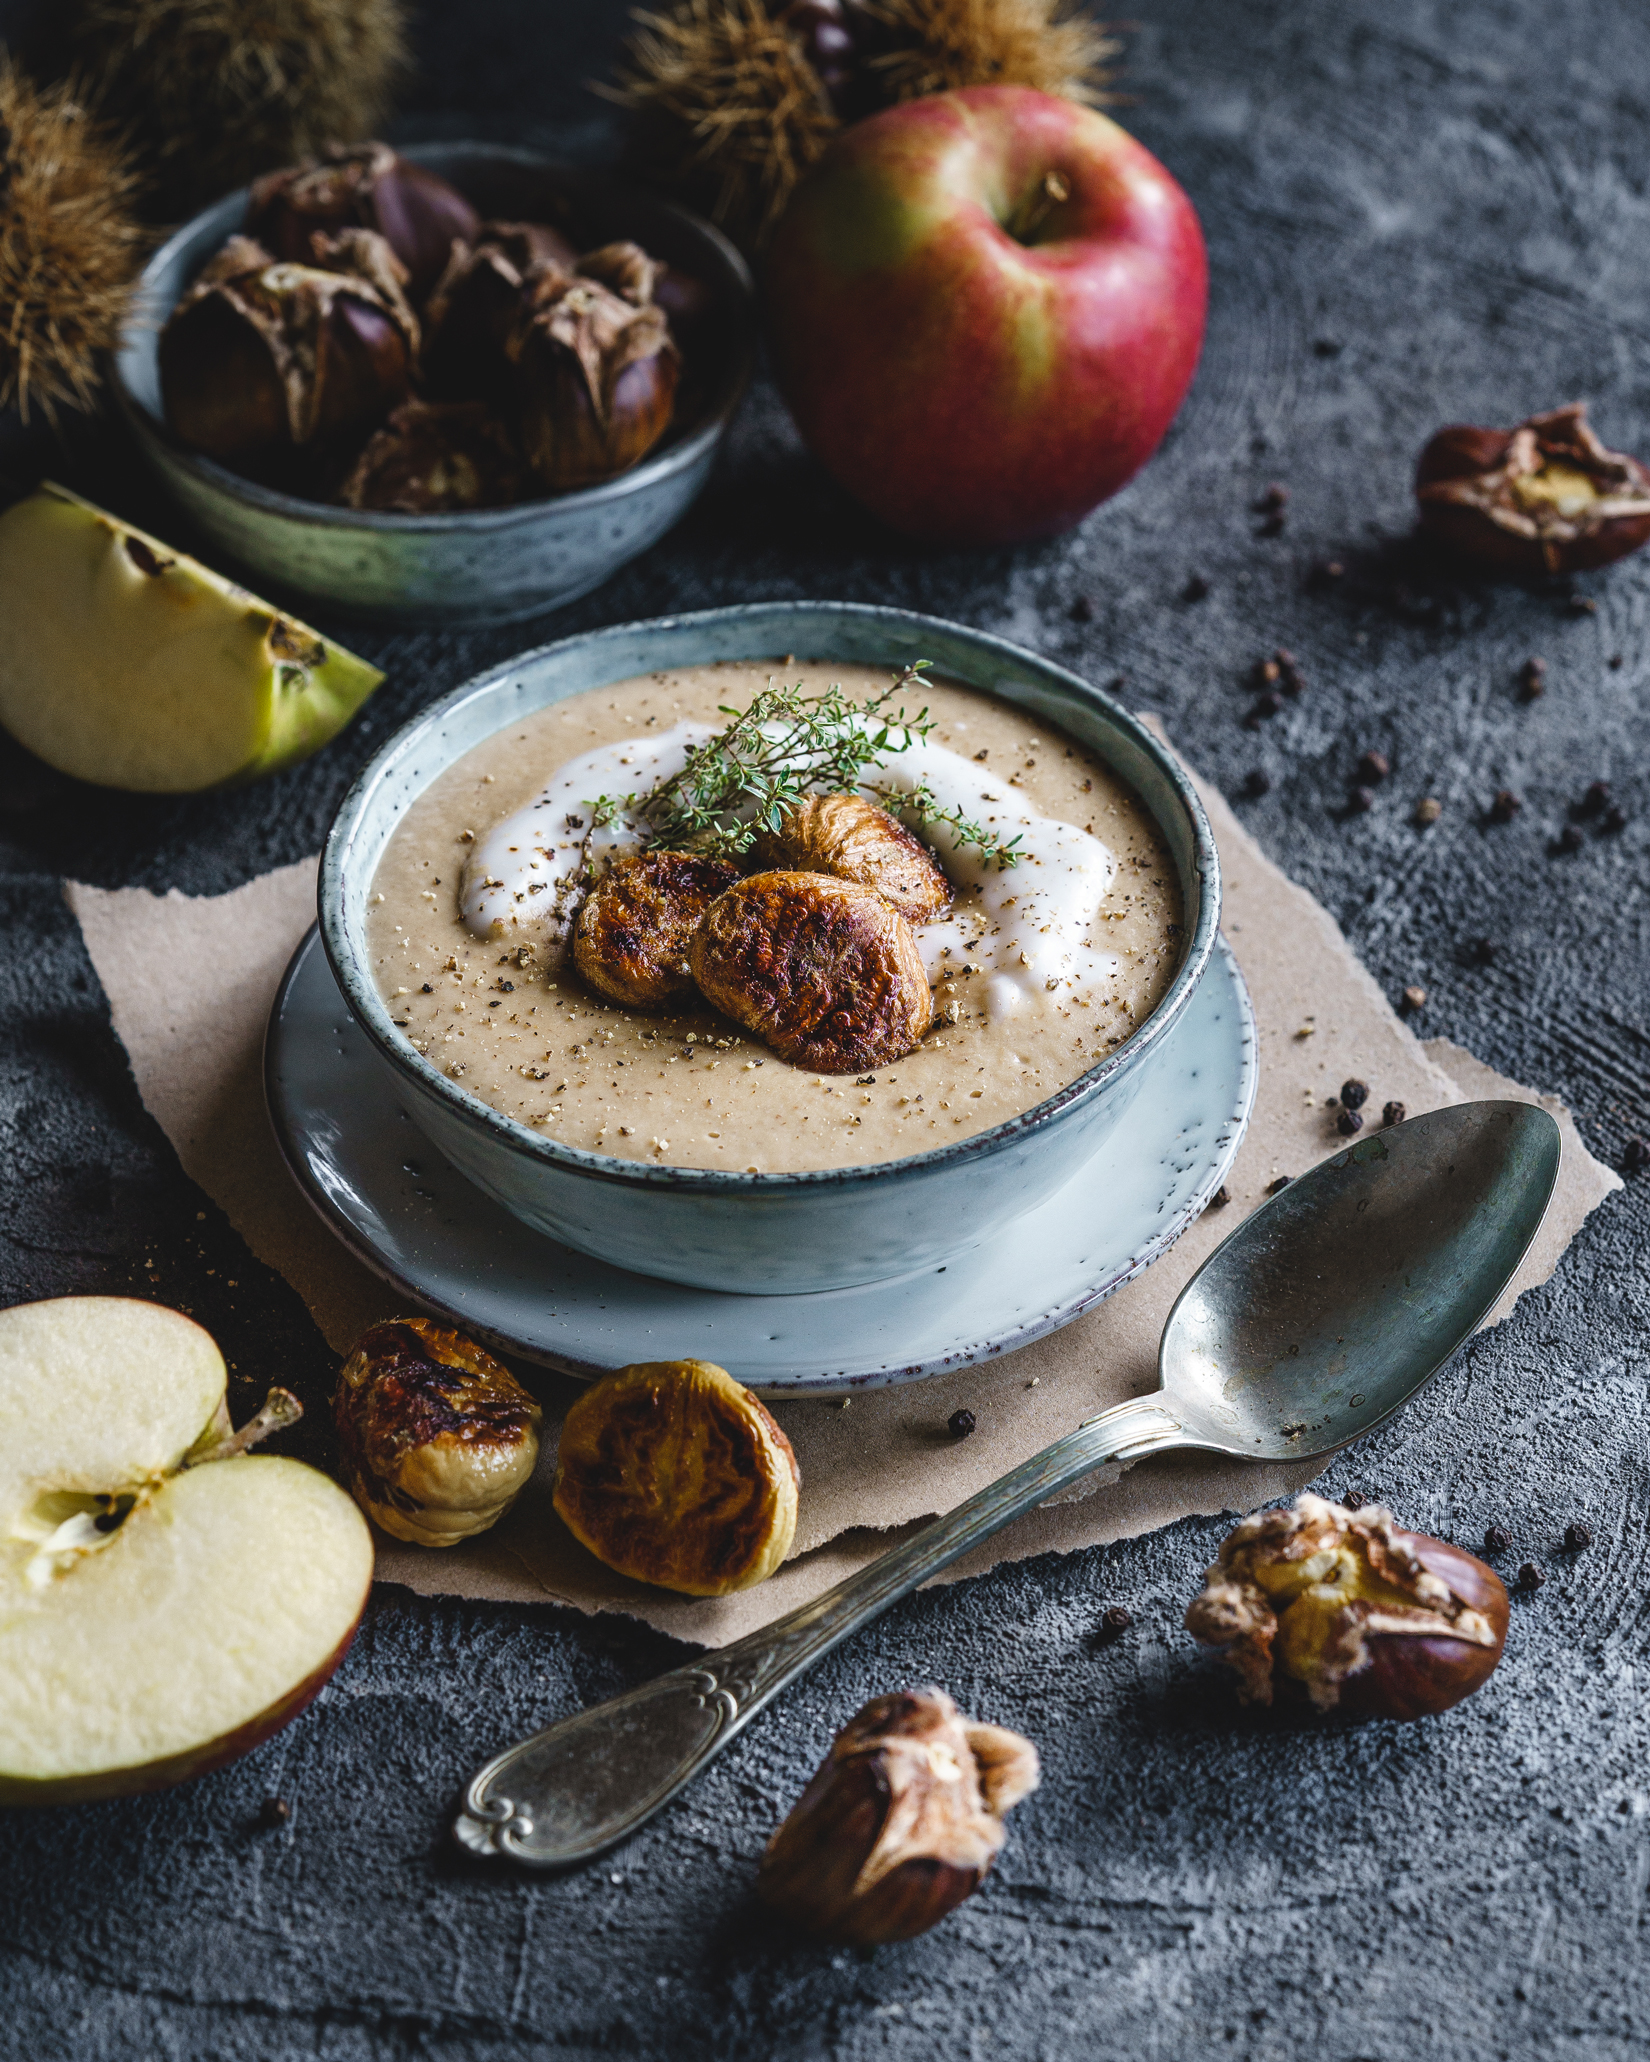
(786, 745)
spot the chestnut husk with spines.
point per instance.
(1497, 496)
(276, 368)
(899, 1824)
(364, 186)
(1369, 1620)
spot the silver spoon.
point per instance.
(1325, 1310)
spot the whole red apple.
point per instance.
(985, 308)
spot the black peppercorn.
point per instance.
(1497, 1540)
(1354, 1500)
(1361, 800)
(1256, 784)
(1268, 704)
(1348, 1122)
(1482, 951)
(1530, 1577)
(1373, 768)
(960, 1423)
(1273, 525)
(1354, 1094)
(1393, 1113)
(1597, 795)
(275, 1812)
(1505, 806)
(1569, 839)
(1115, 1619)
(1532, 679)
(1082, 610)
(1635, 1155)
(1577, 1536)
(1219, 1199)
(1195, 588)
(1281, 1182)
(1275, 497)
(1615, 818)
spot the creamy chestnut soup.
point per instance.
(1039, 970)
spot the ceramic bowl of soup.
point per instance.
(673, 1141)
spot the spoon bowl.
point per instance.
(1337, 1299)
(1326, 1309)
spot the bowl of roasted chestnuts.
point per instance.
(446, 383)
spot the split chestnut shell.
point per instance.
(1369, 1619)
(900, 1823)
(1547, 497)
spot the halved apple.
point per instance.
(126, 663)
(166, 1600)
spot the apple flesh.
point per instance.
(985, 308)
(127, 664)
(217, 1602)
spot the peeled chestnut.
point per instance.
(266, 365)
(437, 455)
(1368, 1619)
(900, 1823)
(594, 378)
(363, 186)
(437, 1438)
(1546, 497)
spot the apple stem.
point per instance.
(280, 1409)
(1050, 192)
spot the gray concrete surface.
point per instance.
(1417, 212)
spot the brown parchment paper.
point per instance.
(884, 1462)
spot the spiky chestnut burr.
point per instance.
(70, 245)
(214, 92)
(1369, 1619)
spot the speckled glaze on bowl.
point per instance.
(499, 562)
(765, 1234)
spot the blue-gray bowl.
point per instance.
(498, 562)
(768, 1234)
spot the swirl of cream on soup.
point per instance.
(1028, 926)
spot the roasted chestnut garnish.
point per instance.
(632, 937)
(363, 186)
(826, 971)
(1368, 1619)
(901, 1822)
(1546, 497)
(674, 1473)
(437, 455)
(437, 1438)
(852, 838)
(594, 379)
(264, 365)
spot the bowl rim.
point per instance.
(371, 1011)
(146, 317)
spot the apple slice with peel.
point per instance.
(125, 663)
(166, 1599)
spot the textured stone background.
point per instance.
(1418, 210)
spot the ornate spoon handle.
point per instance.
(576, 1789)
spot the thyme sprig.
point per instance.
(786, 745)
(922, 803)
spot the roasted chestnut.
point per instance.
(901, 1822)
(827, 971)
(851, 838)
(266, 365)
(1546, 497)
(674, 1473)
(363, 186)
(478, 301)
(437, 1438)
(633, 933)
(437, 455)
(1368, 1619)
(594, 380)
